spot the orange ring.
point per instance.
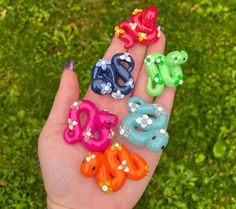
(113, 166)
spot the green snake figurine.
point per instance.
(163, 69)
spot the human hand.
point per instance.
(65, 185)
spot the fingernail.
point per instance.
(69, 65)
(161, 28)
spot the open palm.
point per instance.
(60, 162)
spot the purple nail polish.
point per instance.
(69, 65)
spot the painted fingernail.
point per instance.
(69, 65)
(161, 28)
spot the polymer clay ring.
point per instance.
(164, 70)
(112, 167)
(145, 125)
(100, 122)
(106, 74)
(140, 28)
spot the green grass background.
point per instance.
(197, 170)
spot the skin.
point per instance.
(65, 185)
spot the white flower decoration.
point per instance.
(133, 25)
(133, 106)
(106, 88)
(123, 166)
(90, 157)
(117, 95)
(76, 104)
(149, 60)
(103, 63)
(124, 130)
(87, 134)
(72, 123)
(126, 57)
(159, 109)
(130, 83)
(144, 121)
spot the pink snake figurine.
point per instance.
(101, 122)
(140, 28)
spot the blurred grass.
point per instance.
(198, 168)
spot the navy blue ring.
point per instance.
(105, 76)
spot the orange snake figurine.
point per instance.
(113, 166)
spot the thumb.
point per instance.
(67, 93)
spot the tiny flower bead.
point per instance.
(133, 25)
(126, 57)
(133, 106)
(72, 123)
(76, 104)
(90, 157)
(116, 146)
(119, 31)
(142, 36)
(106, 88)
(123, 166)
(117, 95)
(149, 60)
(144, 121)
(105, 186)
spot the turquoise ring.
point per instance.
(145, 125)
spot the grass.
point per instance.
(198, 168)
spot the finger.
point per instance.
(166, 99)
(116, 46)
(140, 88)
(67, 93)
(137, 52)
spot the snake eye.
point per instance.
(109, 123)
(163, 147)
(184, 59)
(93, 168)
(154, 137)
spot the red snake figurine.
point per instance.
(140, 28)
(101, 122)
(112, 167)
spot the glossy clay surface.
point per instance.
(112, 167)
(106, 74)
(140, 28)
(164, 70)
(101, 122)
(145, 125)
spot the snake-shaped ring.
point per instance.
(140, 28)
(106, 75)
(100, 122)
(164, 70)
(112, 167)
(145, 125)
